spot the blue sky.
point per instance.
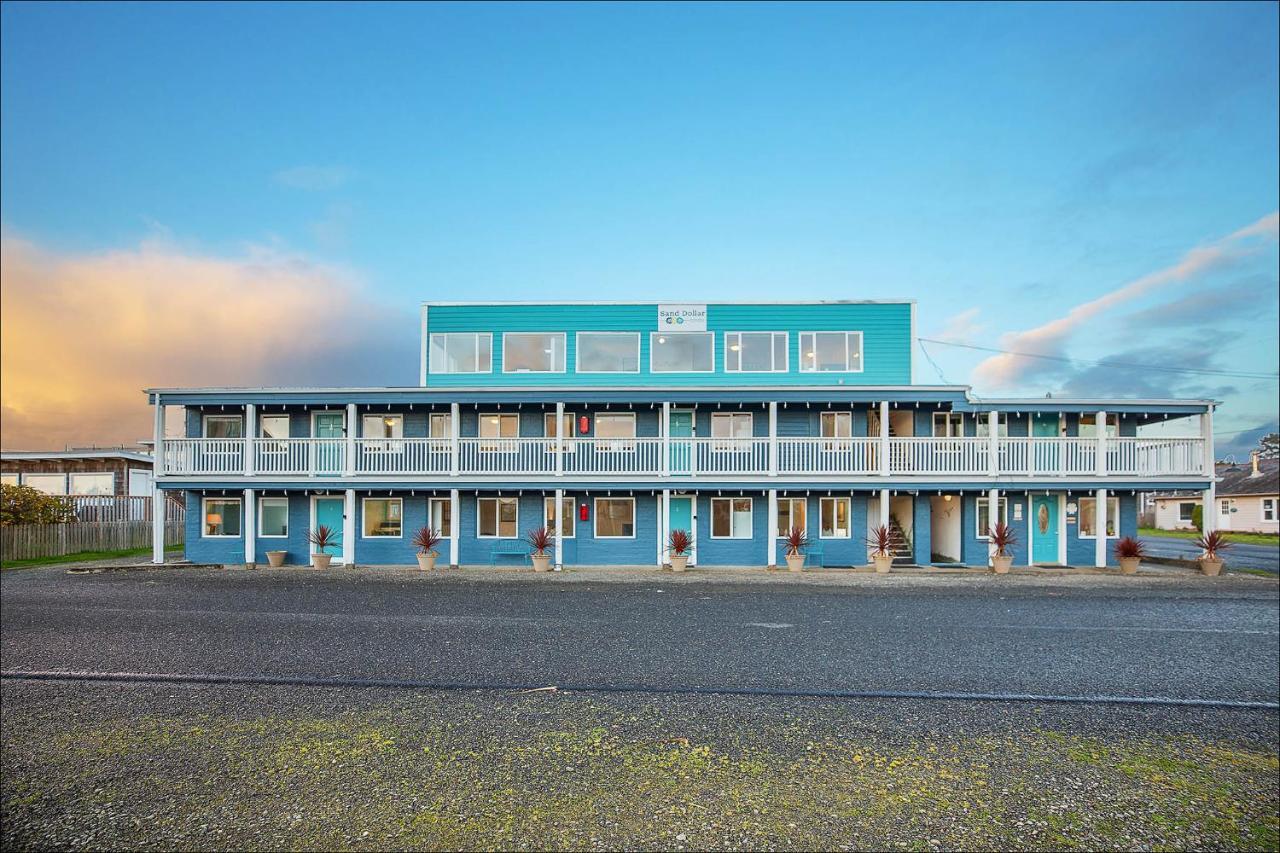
(1002, 164)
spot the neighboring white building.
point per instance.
(1248, 500)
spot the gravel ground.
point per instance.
(94, 766)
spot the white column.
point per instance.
(157, 522)
(157, 467)
(771, 537)
(455, 520)
(1206, 433)
(773, 448)
(665, 431)
(349, 527)
(884, 438)
(1209, 513)
(350, 432)
(1100, 528)
(884, 507)
(1100, 463)
(559, 445)
(559, 520)
(993, 516)
(1030, 560)
(666, 526)
(455, 432)
(993, 448)
(250, 430)
(249, 524)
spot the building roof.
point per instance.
(1236, 480)
(95, 453)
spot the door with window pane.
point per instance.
(326, 457)
(680, 431)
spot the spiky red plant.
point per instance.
(679, 542)
(426, 540)
(323, 537)
(540, 539)
(797, 540)
(881, 539)
(1002, 536)
(1212, 544)
(1128, 548)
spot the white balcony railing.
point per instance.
(684, 457)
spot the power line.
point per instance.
(1162, 368)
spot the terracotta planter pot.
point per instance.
(427, 561)
(883, 563)
(795, 562)
(1129, 565)
(1212, 568)
(542, 562)
(679, 562)
(275, 559)
(321, 561)
(1000, 565)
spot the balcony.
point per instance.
(792, 458)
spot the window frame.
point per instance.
(773, 341)
(822, 500)
(1002, 511)
(1267, 510)
(608, 444)
(751, 517)
(1002, 426)
(565, 441)
(364, 518)
(27, 475)
(262, 503)
(497, 517)
(564, 356)
(1191, 511)
(732, 443)
(951, 421)
(497, 448)
(71, 475)
(548, 511)
(204, 426)
(1113, 421)
(11, 478)
(380, 443)
(1080, 534)
(447, 418)
(204, 515)
(711, 353)
(577, 352)
(431, 350)
(288, 426)
(431, 514)
(595, 521)
(848, 350)
(791, 502)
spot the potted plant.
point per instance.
(1129, 552)
(426, 540)
(797, 540)
(881, 542)
(1212, 544)
(322, 537)
(679, 544)
(275, 559)
(540, 539)
(1001, 536)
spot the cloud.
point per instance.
(1051, 338)
(1110, 380)
(1251, 296)
(962, 328)
(82, 334)
(313, 178)
(1241, 443)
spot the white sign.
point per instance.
(682, 318)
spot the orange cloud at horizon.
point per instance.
(82, 334)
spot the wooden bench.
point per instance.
(508, 548)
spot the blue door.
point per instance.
(680, 517)
(329, 512)
(1044, 529)
(680, 426)
(327, 458)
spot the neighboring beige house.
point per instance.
(1248, 500)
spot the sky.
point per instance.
(251, 194)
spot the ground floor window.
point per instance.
(222, 517)
(383, 517)
(791, 513)
(1268, 509)
(566, 516)
(50, 484)
(273, 518)
(497, 518)
(440, 516)
(731, 518)
(1089, 517)
(1227, 506)
(92, 484)
(836, 513)
(9, 479)
(615, 518)
(1186, 511)
(984, 516)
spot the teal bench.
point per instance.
(508, 548)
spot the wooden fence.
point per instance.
(103, 523)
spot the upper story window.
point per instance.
(984, 426)
(223, 426)
(382, 426)
(441, 425)
(273, 426)
(533, 352)
(948, 424)
(1089, 426)
(462, 352)
(681, 352)
(836, 424)
(612, 428)
(608, 352)
(755, 352)
(831, 352)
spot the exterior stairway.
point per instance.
(902, 549)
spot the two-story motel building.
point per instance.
(617, 422)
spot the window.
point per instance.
(1186, 511)
(1089, 426)
(273, 426)
(755, 352)
(615, 518)
(831, 352)
(497, 518)
(733, 426)
(1088, 528)
(1227, 507)
(835, 513)
(608, 352)
(222, 517)
(382, 426)
(383, 517)
(791, 513)
(9, 479)
(92, 484)
(273, 518)
(223, 426)
(441, 425)
(533, 352)
(836, 424)
(566, 516)
(731, 518)
(948, 424)
(567, 424)
(50, 484)
(496, 425)
(1268, 509)
(984, 516)
(621, 425)
(984, 426)
(462, 352)
(440, 515)
(681, 352)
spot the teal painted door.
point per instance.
(680, 426)
(680, 517)
(329, 513)
(1045, 425)
(328, 453)
(1044, 529)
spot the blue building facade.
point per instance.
(618, 423)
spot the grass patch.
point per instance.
(82, 556)
(1240, 538)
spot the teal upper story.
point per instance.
(651, 344)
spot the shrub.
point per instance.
(1128, 547)
(540, 539)
(881, 539)
(1002, 536)
(323, 537)
(797, 540)
(1213, 544)
(426, 540)
(25, 505)
(1197, 517)
(679, 542)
